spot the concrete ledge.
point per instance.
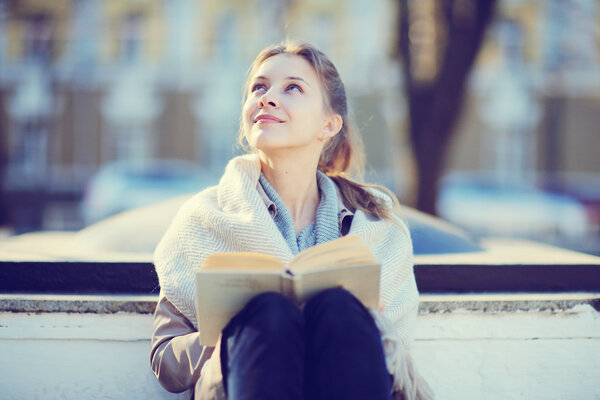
(98, 304)
(441, 276)
(429, 304)
(503, 266)
(506, 302)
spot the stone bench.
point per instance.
(468, 346)
(516, 320)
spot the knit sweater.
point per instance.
(324, 229)
(232, 217)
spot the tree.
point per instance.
(438, 42)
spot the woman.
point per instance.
(289, 193)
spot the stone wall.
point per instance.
(500, 346)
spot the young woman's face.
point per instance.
(284, 108)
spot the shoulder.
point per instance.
(186, 218)
(200, 199)
(397, 213)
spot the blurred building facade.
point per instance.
(532, 123)
(537, 78)
(86, 82)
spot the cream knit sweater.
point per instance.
(232, 217)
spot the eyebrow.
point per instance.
(295, 78)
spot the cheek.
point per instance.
(246, 131)
(247, 110)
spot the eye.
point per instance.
(293, 87)
(258, 86)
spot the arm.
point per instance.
(176, 356)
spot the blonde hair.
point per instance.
(344, 154)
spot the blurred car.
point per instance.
(483, 206)
(133, 235)
(123, 185)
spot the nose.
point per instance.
(267, 100)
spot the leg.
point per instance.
(344, 355)
(262, 350)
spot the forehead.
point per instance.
(282, 66)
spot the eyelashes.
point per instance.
(294, 86)
(290, 87)
(257, 86)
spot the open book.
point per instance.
(227, 281)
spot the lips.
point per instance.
(266, 118)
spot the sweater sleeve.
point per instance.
(402, 310)
(176, 356)
(400, 296)
(397, 322)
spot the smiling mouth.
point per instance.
(267, 120)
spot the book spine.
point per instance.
(287, 285)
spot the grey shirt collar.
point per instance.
(344, 214)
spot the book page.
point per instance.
(222, 294)
(242, 261)
(361, 280)
(227, 281)
(343, 251)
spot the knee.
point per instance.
(334, 299)
(272, 312)
(335, 306)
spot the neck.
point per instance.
(296, 183)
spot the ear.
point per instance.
(333, 124)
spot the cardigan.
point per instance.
(229, 217)
(176, 357)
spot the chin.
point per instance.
(268, 147)
(267, 140)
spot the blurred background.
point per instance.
(486, 113)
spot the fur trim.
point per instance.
(408, 383)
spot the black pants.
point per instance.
(331, 350)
